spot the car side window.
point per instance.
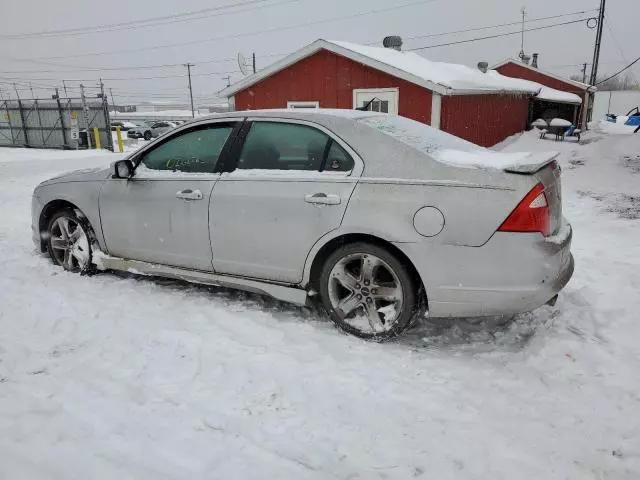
(283, 146)
(193, 151)
(338, 160)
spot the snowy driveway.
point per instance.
(116, 376)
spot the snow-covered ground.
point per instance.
(118, 376)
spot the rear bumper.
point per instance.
(512, 273)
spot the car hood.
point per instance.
(83, 175)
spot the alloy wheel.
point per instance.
(366, 293)
(69, 244)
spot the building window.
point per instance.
(302, 105)
(375, 105)
(383, 100)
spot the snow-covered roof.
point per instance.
(440, 77)
(544, 93)
(575, 83)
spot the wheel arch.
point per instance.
(323, 250)
(48, 211)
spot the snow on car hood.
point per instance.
(82, 175)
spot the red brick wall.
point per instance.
(330, 79)
(484, 119)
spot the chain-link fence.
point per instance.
(55, 123)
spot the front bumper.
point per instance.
(512, 273)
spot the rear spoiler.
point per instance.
(534, 162)
(517, 162)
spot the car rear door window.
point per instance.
(285, 146)
(193, 151)
(338, 160)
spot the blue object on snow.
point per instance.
(633, 121)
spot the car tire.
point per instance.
(368, 291)
(69, 241)
(147, 135)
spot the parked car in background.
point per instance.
(379, 216)
(124, 126)
(149, 130)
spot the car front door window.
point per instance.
(195, 151)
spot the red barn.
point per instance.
(457, 99)
(516, 69)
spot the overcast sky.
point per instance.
(236, 30)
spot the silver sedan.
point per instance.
(378, 217)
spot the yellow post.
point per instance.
(119, 136)
(96, 135)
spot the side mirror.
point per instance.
(122, 169)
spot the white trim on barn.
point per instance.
(436, 110)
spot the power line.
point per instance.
(141, 67)
(617, 44)
(245, 34)
(475, 29)
(229, 59)
(497, 35)
(118, 79)
(618, 73)
(134, 23)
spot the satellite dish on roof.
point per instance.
(242, 64)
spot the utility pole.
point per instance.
(254, 62)
(596, 50)
(228, 79)
(16, 89)
(584, 73)
(85, 110)
(64, 85)
(31, 88)
(189, 65)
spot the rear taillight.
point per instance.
(531, 214)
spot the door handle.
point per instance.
(189, 194)
(322, 199)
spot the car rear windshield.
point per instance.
(418, 135)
